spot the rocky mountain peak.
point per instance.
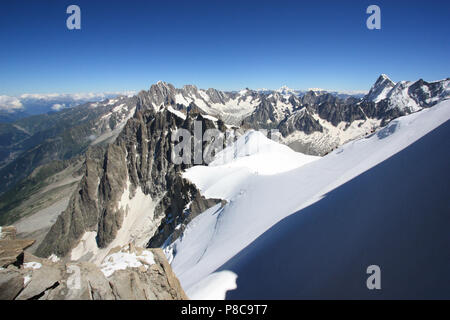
(380, 89)
(383, 77)
(216, 96)
(190, 89)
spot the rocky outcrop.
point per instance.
(300, 121)
(264, 116)
(7, 233)
(314, 98)
(127, 273)
(11, 250)
(340, 111)
(11, 283)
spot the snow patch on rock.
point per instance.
(32, 265)
(122, 260)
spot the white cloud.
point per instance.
(82, 96)
(10, 104)
(54, 101)
(354, 92)
(58, 106)
(349, 92)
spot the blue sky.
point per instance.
(128, 45)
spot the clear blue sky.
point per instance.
(128, 45)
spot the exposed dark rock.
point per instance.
(313, 98)
(11, 251)
(300, 121)
(340, 111)
(263, 116)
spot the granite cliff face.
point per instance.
(136, 167)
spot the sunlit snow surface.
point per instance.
(32, 265)
(261, 193)
(122, 260)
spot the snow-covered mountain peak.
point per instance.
(161, 83)
(190, 88)
(162, 86)
(259, 154)
(380, 89)
(285, 90)
(384, 77)
(399, 97)
(316, 89)
(248, 144)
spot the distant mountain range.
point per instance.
(13, 108)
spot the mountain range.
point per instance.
(100, 175)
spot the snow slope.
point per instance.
(395, 216)
(256, 202)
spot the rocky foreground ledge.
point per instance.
(127, 273)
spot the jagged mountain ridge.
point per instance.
(329, 114)
(250, 108)
(137, 162)
(408, 95)
(318, 122)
